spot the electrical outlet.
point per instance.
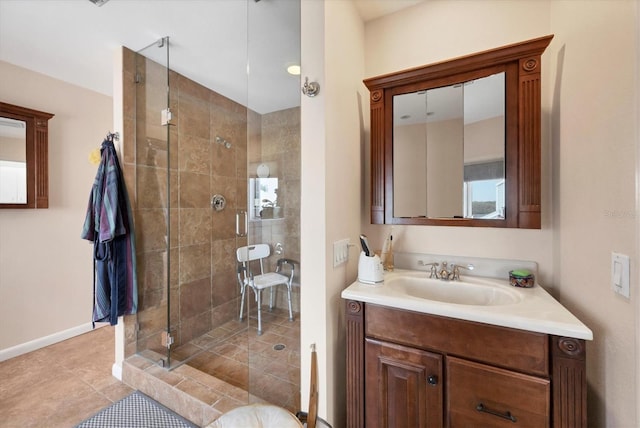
(340, 252)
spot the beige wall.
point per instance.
(13, 149)
(332, 153)
(593, 156)
(445, 168)
(410, 157)
(45, 268)
(589, 152)
(483, 140)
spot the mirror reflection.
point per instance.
(263, 192)
(13, 161)
(449, 151)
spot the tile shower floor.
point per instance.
(268, 366)
(227, 367)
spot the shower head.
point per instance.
(98, 2)
(223, 142)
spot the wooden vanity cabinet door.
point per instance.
(403, 387)
(479, 395)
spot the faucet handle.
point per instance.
(456, 270)
(432, 270)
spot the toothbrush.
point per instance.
(365, 245)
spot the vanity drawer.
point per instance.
(520, 350)
(481, 395)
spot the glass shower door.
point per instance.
(196, 147)
(273, 174)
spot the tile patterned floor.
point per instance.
(65, 383)
(62, 384)
(268, 366)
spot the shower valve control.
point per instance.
(218, 202)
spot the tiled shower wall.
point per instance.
(203, 285)
(279, 148)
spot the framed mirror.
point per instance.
(24, 159)
(458, 142)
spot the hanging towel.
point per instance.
(109, 225)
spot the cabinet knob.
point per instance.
(432, 380)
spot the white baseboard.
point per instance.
(116, 371)
(41, 342)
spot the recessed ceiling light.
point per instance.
(294, 70)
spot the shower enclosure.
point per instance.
(212, 174)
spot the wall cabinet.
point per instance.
(408, 369)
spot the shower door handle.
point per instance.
(242, 219)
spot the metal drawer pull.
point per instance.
(432, 380)
(507, 415)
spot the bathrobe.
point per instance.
(109, 225)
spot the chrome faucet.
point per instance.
(455, 271)
(445, 274)
(433, 273)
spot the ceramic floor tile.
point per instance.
(65, 383)
(60, 385)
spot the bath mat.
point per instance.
(136, 411)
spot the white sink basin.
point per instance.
(480, 299)
(476, 292)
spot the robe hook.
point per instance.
(310, 89)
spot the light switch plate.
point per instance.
(340, 252)
(620, 274)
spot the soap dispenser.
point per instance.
(387, 253)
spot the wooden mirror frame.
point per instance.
(521, 62)
(37, 154)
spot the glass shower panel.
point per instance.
(154, 158)
(273, 183)
(196, 145)
(207, 226)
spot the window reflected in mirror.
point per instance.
(449, 150)
(263, 195)
(13, 161)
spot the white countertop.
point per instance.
(535, 311)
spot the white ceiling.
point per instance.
(76, 41)
(372, 9)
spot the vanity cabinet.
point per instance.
(406, 388)
(409, 369)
